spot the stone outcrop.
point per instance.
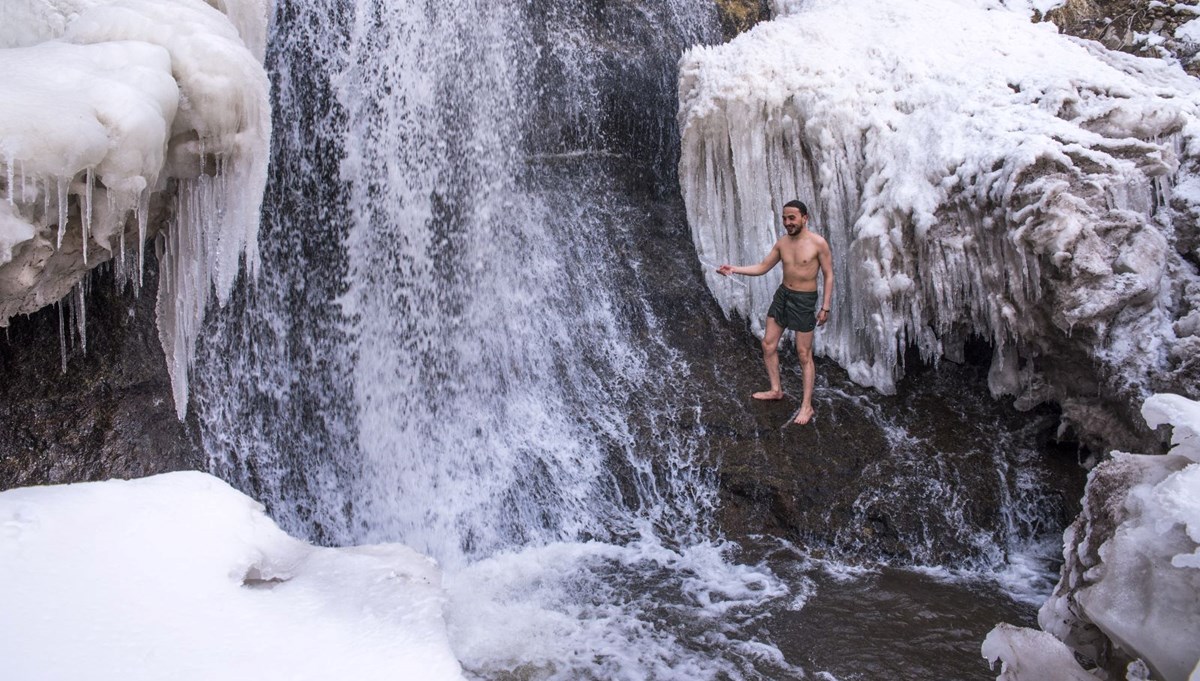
(1147, 28)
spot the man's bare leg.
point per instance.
(804, 343)
(770, 347)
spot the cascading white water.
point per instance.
(492, 351)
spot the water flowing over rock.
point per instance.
(464, 303)
(977, 175)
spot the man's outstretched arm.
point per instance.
(758, 270)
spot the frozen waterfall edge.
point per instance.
(122, 134)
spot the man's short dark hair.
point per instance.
(798, 205)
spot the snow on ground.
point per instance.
(179, 576)
(110, 109)
(975, 173)
(1130, 587)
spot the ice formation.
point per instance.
(976, 174)
(181, 576)
(117, 113)
(1130, 587)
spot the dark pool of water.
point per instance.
(878, 622)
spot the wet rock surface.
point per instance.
(940, 473)
(109, 414)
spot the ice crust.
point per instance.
(180, 576)
(1130, 586)
(1031, 654)
(975, 173)
(113, 111)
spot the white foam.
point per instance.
(597, 610)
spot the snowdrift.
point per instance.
(180, 576)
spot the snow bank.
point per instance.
(111, 109)
(976, 175)
(1130, 587)
(179, 576)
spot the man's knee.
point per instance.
(804, 352)
(769, 346)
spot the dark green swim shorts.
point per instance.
(795, 310)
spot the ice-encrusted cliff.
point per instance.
(1128, 601)
(977, 175)
(118, 115)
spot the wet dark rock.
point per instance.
(738, 16)
(930, 476)
(109, 415)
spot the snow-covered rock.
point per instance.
(180, 576)
(116, 114)
(977, 175)
(1129, 593)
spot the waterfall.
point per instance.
(453, 277)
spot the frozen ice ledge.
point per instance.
(125, 121)
(978, 176)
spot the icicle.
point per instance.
(81, 314)
(143, 213)
(63, 207)
(89, 187)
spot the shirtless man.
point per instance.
(803, 254)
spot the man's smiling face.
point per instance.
(793, 221)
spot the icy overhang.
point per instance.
(114, 110)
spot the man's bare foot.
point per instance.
(804, 416)
(768, 395)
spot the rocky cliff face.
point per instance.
(1142, 27)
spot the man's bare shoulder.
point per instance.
(817, 239)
